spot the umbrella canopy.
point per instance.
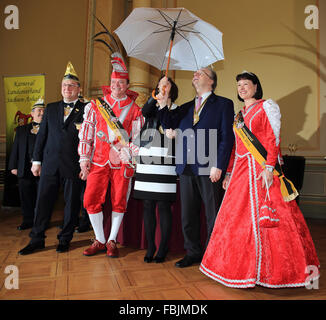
(148, 33)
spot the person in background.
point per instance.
(260, 236)
(20, 163)
(56, 161)
(155, 179)
(204, 143)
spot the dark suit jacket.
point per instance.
(57, 141)
(22, 150)
(208, 143)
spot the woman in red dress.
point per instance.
(241, 253)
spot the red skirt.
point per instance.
(242, 254)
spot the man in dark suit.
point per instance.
(56, 161)
(203, 146)
(20, 163)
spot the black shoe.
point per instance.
(63, 246)
(187, 261)
(148, 259)
(82, 229)
(32, 247)
(159, 259)
(25, 226)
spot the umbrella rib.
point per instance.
(192, 50)
(164, 16)
(161, 31)
(190, 31)
(212, 45)
(160, 24)
(130, 52)
(203, 36)
(187, 24)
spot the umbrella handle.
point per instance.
(153, 93)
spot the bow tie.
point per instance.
(68, 105)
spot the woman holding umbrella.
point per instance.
(260, 236)
(155, 180)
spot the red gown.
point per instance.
(242, 254)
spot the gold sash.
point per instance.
(253, 145)
(114, 126)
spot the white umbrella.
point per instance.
(149, 34)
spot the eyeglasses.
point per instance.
(201, 71)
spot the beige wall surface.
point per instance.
(265, 37)
(50, 34)
(269, 38)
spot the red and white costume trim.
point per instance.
(242, 254)
(96, 144)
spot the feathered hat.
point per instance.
(119, 69)
(70, 73)
(39, 103)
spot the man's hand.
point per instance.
(124, 155)
(36, 169)
(215, 174)
(85, 167)
(14, 172)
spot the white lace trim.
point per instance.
(249, 283)
(274, 116)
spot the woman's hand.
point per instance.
(164, 87)
(269, 177)
(170, 133)
(226, 181)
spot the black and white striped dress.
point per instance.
(155, 177)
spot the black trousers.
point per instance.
(84, 218)
(195, 190)
(27, 187)
(165, 214)
(46, 197)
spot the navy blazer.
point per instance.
(57, 141)
(22, 150)
(209, 142)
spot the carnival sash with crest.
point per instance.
(114, 123)
(258, 151)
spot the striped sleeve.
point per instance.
(87, 133)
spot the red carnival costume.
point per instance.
(241, 253)
(100, 145)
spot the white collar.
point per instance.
(116, 99)
(205, 95)
(74, 102)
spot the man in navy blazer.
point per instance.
(203, 146)
(20, 163)
(56, 161)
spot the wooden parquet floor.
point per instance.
(48, 275)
